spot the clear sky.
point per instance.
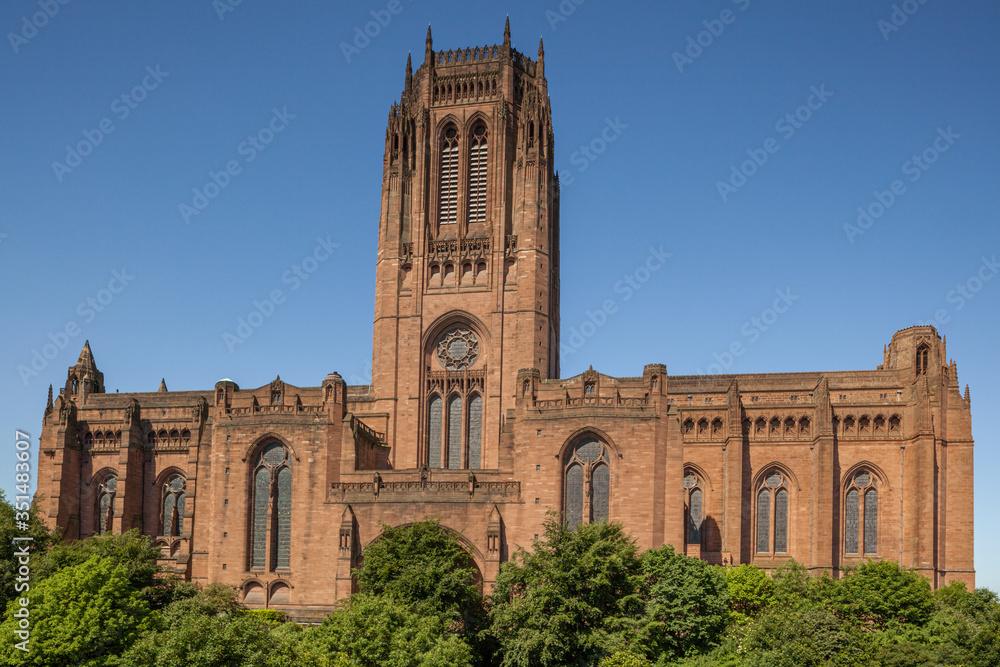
(163, 94)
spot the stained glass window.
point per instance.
(781, 521)
(851, 511)
(476, 432)
(434, 434)
(260, 500)
(574, 495)
(589, 450)
(763, 521)
(600, 481)
(871, 521)
(284, 518)
(454, 432)
(694, 517)
(169, 504)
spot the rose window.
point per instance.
(458, 350)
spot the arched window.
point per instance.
(475, 438)
(105, 508)
(588, 483)
(271, 535)
(694, 507)
(455, 401)
(434, 432)
(861, 515)
(172, 506)
(923, 352)
(477, 174)
(448, 185)
(455, 432)
(772, 526)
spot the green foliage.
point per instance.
(82, 615)
(564, 603)
(424, 565)
(877, 593)
(268, 616)
(218, 641)
(625, 659)
(8, 531)
(751, 591)
(686, 607)
(371, 631)
(804, 637)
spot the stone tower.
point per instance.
(468, 253)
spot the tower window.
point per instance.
(172, 506)
(477, 174)
(772, 527)
(448, 187)
(922, 355)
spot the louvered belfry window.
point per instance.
(271, 523)
(477, 174)
(772, 514)
(587, 483)
(448, 184)
(861, 517)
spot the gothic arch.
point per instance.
(580, 433)
(442, 124)
(848, 475)
(476, 117)
(102, 473)
(758, 476)
(263, 440)
(164, 475)
(452, 318)
(700, 472)
(478, 560)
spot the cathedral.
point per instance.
(278, 490)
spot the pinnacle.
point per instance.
(163, 385)
(86, 356)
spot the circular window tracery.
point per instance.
(458, 349)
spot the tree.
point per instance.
(381, 631)
(804, 637)
(751, 591)
(82, 615)
(569, 601)
(9, 561)
(687, 604)
(879, 592)
(625, 659)
(424, 565)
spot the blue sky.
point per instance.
(198, 81)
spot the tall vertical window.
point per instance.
(861, 515)
(455, 402)
(271, 535)
(476, 432)
(477, 174)
(105, 508)
(695, 508)
(587, 483)
(923, 352)
(455, 432)
(448, 185)
(434, 431)
(772, 515)
(172, 506)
